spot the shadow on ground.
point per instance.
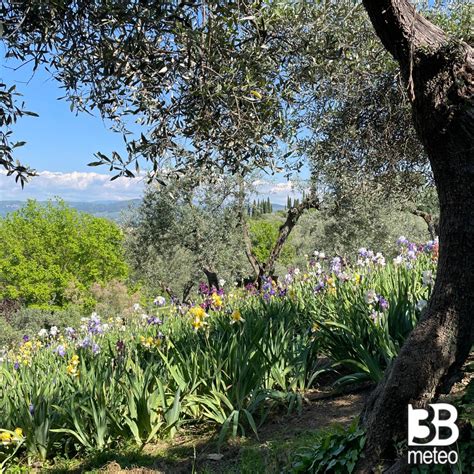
(196, 450)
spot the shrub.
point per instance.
(31, 320)
(113, 298)
(51, 254)
(336, 451)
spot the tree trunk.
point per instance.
(293, 214)
(187, 290)
(439, 75)
(430, 221)
(212, 279)
(245, 232)
(292, 217)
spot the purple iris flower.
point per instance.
(429, 246)
(319, 287)
(85, 343)
(154, 320)
(363, 252)
(282, 292)
(206, 304)
(203, 288)
(383, 303)
(120, 346)
(336, 264)
(60, 350)
(402, 240)
(26, 338)
(250, 288)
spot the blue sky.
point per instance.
(60, 144)
(58, 139)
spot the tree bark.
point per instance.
(292, 217)
(430, 221)
(187, 290)
(293, 214)
(245, 232)
(212, 279)
(439, 74)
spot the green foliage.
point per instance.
(179, 232)
(124, 389)
(336, 451)
(357, 334)
(132, 379)
(51, 254)
(268, 71)
(114, 298)
(10, 445)
(362, 222)
(11, 112)
(31, 320)
(264, 234)
(260, 207)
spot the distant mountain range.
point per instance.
(110, 209)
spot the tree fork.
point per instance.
(440, 76)
(430, 221)
(292, 217)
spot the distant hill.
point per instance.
(109, 209)
(278, 207)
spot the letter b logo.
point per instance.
(424, 425)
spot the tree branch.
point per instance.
(293, 215)
(256, 267)
(402, 30)
(429, 220)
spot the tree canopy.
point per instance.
(228, 86)
(52, 254)
(183, 233)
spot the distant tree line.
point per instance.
(260, 207)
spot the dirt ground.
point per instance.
(195, 450)
(321, 409)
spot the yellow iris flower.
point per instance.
(236, 317)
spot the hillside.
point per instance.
(109, 209)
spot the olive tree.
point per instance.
(438, 71)
(223, 87)
(185, 233)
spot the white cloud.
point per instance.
(277, 191)
(283, 188)
(72, 186)
(92, 186)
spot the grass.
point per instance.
(240, 456)
(189, 451)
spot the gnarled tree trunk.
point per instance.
(439, 74)
(430, 221)
(267, 268)
(212, 280)
(292, 217)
